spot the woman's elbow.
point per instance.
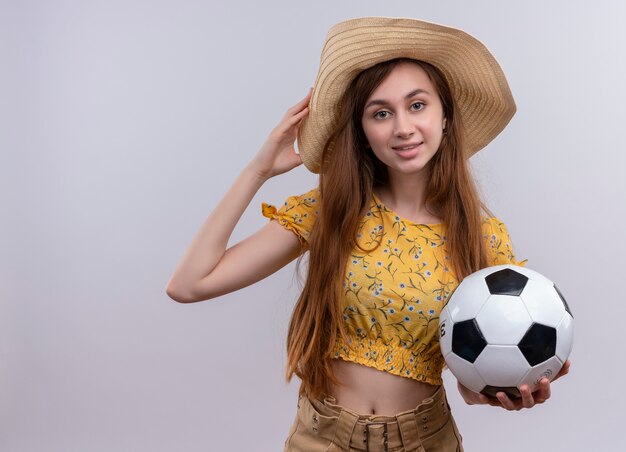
(176, 293)
(184, 293)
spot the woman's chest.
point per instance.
(399, 271)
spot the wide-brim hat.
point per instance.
(477, 82)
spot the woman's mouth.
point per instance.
(407, 150)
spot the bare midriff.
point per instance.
(368, 391)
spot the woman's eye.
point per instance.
(417, 106)
(381, 114)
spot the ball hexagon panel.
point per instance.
(467, 340)
(564, 337)
(469, 297)
(506, 282)
(503, 320)
(543, 303)
(471, 377)
(501, 365)
(547, 369)
(538, 344)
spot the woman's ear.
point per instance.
(444, 124)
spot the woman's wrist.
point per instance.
(258, 176)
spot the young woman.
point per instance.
(395, 223)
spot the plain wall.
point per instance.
(123, 122)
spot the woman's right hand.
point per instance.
(278, 155)
(527, 399)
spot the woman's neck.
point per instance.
(406, 195)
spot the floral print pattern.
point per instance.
(393, 293)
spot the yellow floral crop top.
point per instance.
(393, 294)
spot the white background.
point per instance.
(123, 122)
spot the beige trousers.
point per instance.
(325, 426)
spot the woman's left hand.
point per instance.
(527, 400)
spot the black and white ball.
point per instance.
(505, 326)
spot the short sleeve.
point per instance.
(499, 247)
(298, 214)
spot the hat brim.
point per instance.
(477, 82)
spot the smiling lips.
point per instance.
(406, 150)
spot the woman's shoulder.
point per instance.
(306, 201)
(297, 213)
(498, 241)
(492, 224)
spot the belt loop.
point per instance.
(385, 435)
(343, 432)
(409, 432)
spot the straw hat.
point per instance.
(478, 84)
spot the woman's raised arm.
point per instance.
(208, 269)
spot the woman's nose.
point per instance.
(403, 126)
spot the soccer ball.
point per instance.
(505, 326)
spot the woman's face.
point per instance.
(403, 120)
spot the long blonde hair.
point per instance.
(348, 176)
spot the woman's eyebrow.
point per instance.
(408, 96)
